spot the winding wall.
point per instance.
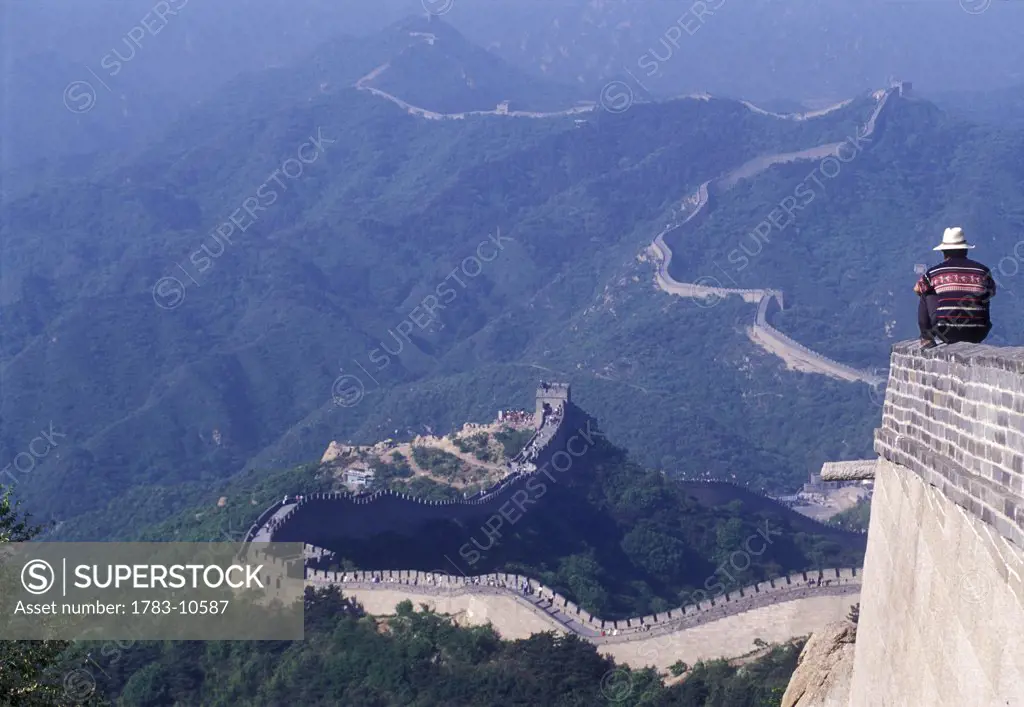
(724, 626)
(317, 517)
(363, 84)
(517, 606)
(762, 333)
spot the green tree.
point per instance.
(678, 668)
(854, 615)
(27, 668)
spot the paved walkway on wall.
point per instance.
(263, 534)
(795, 355)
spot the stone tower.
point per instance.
(550, 396)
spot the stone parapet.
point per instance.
(954, 415)
(859, 470)
(570, 617)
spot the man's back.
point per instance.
(961, 288)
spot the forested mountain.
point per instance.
(168, 354)
(619, 540)
(231, 234)
(75, 96)
(996, 107)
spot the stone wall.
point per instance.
(264, 517)
(517, 606)
(733, 635)
(772, 302)
(942, 608)
(702, 203)
(566, 615)
(954, 416)
(322, 518)
(857, 470)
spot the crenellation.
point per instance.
(568, 614)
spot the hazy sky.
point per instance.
(148, 60)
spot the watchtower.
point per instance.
(549, 397)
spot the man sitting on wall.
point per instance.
(954, 295)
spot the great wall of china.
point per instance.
(564, 615)
(942, 615)
(722, 626)
(363, 84)
(942, 602)
(941, 593)
(710, 627)
(697, 207)
(795, 355)
(557, 422)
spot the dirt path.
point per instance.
(405, 449)
(447, 445)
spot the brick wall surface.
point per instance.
(942, 615)
(941, 620)
(954, 415)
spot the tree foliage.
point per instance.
(27, 675)
(417, 657)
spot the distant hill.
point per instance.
(998, 107)
(810, 50)
(439, 70)
(618, 539)
(155, 392)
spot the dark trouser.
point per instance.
(927, 322)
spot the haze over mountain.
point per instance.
(231, 235)
(241, 372)
(768, 50)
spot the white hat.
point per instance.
(953, 239)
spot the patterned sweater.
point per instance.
(963, 289)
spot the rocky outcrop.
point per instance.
(825, 669)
